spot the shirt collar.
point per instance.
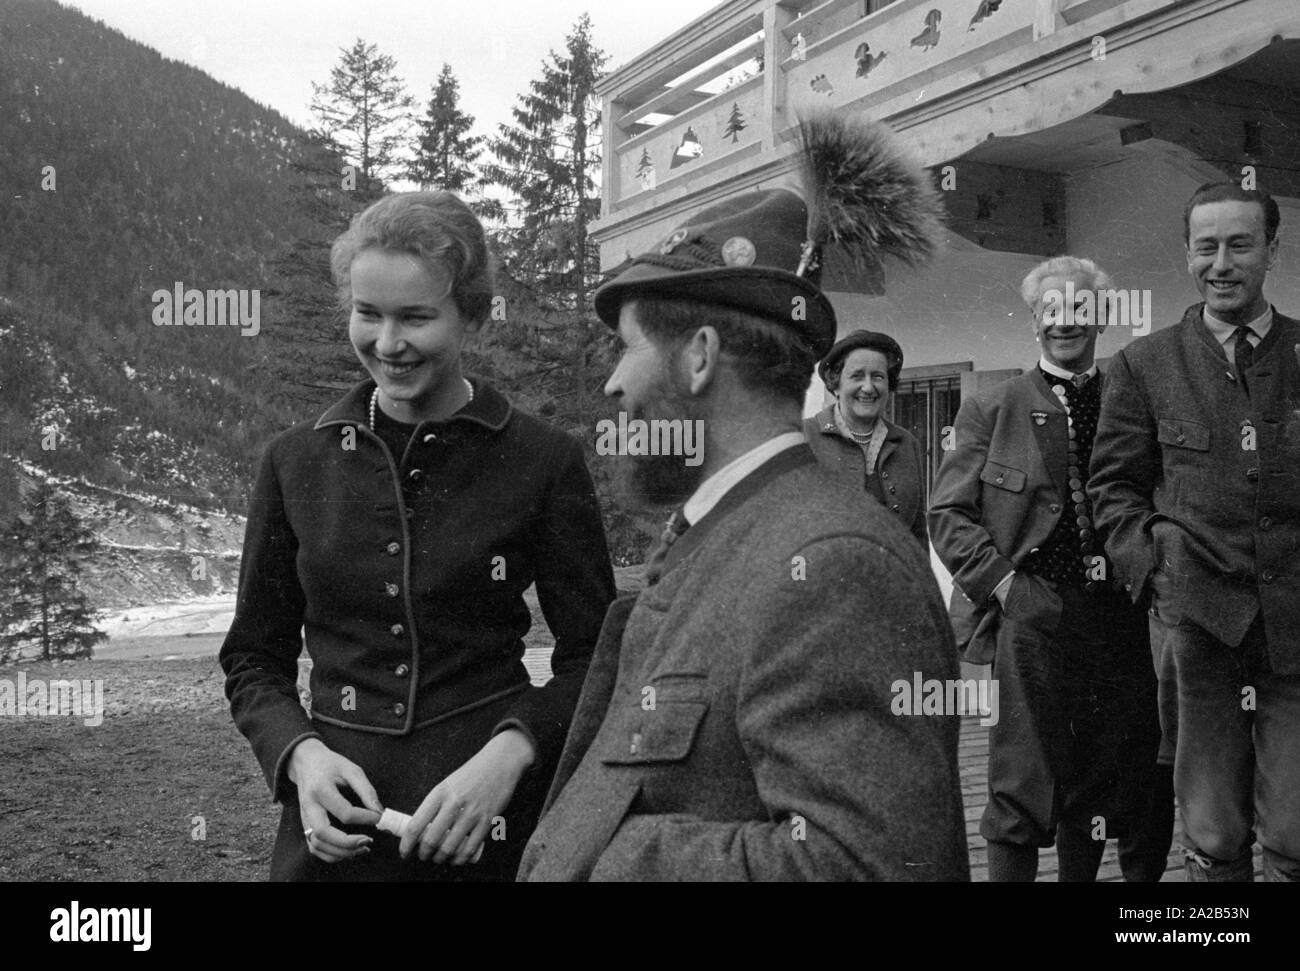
(1224, 331)
(726, 478)
(1060, 372)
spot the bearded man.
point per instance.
(740, 719)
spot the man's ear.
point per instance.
(700, 358)
(1272, 252)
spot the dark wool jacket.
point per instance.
(1185, 502)
(901, 466)
(406, 573)
(740, 718)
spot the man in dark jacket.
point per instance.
(1196, 482)
(741, 717)
(1072, 757)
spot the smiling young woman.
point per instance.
(398, 532)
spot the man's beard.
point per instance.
(655, 482)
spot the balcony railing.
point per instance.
(698, 105)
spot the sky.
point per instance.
(273, 50)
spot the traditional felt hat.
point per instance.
(762, 252)
(871, 340)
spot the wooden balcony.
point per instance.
(713, 108)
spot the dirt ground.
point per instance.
(119, 801)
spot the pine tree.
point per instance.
(38, 580)
(365, 110)
(306, 352)
(550, 159)
(446, 153)
(735, 124)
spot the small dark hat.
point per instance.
(864, 339)
(761, 251)
(740, 253)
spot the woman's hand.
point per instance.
(318, 772)
(454, 819)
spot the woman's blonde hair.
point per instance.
(435, 227)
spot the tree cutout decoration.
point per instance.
(867, 61)
(735, 124)
(645, 170)
(689, 150)
(987, 9)
(929, 37)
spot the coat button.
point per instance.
(1252, 475)
(393, 549)
(1054, 507)
(892, 489)
(1181, 439)
(998, 480)
(399, 709)
(415, 475)
(430, 438)
(1265, 523)
(391, 589)
(409, 512)
(397, 630)
(894, 507)
(401, 670)
(636, 744)
(1268, 576)
(884, 475)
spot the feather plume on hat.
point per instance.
(865, 196)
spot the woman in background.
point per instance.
(399, 531)
(853, 438)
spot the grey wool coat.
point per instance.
(736, 721)
(1196, 485)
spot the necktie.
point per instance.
(1243, 355)
(654, 564)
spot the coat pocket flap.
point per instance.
(1184, 434)
(1003, 477)
(664, 733)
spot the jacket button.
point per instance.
(401, 670)
(430, 438)
(1181, 439)
(1268, 576)
(397, 630)
(998, 480)
(415, 475)
(636, 744)
(391, 589)
(894, 507)
(393, 548)
(1265, 523)
(399, 709)
(1054, 507)
(1252, 474)
(892, 489)
(409, 512)
(884, 475)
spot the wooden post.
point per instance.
(1047, 18)
(775, 17)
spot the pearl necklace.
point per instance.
(374, 400)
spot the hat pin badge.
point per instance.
(739, 251)
(1040, 417)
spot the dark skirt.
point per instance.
(404, 769)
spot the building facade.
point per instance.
(1052, 126)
